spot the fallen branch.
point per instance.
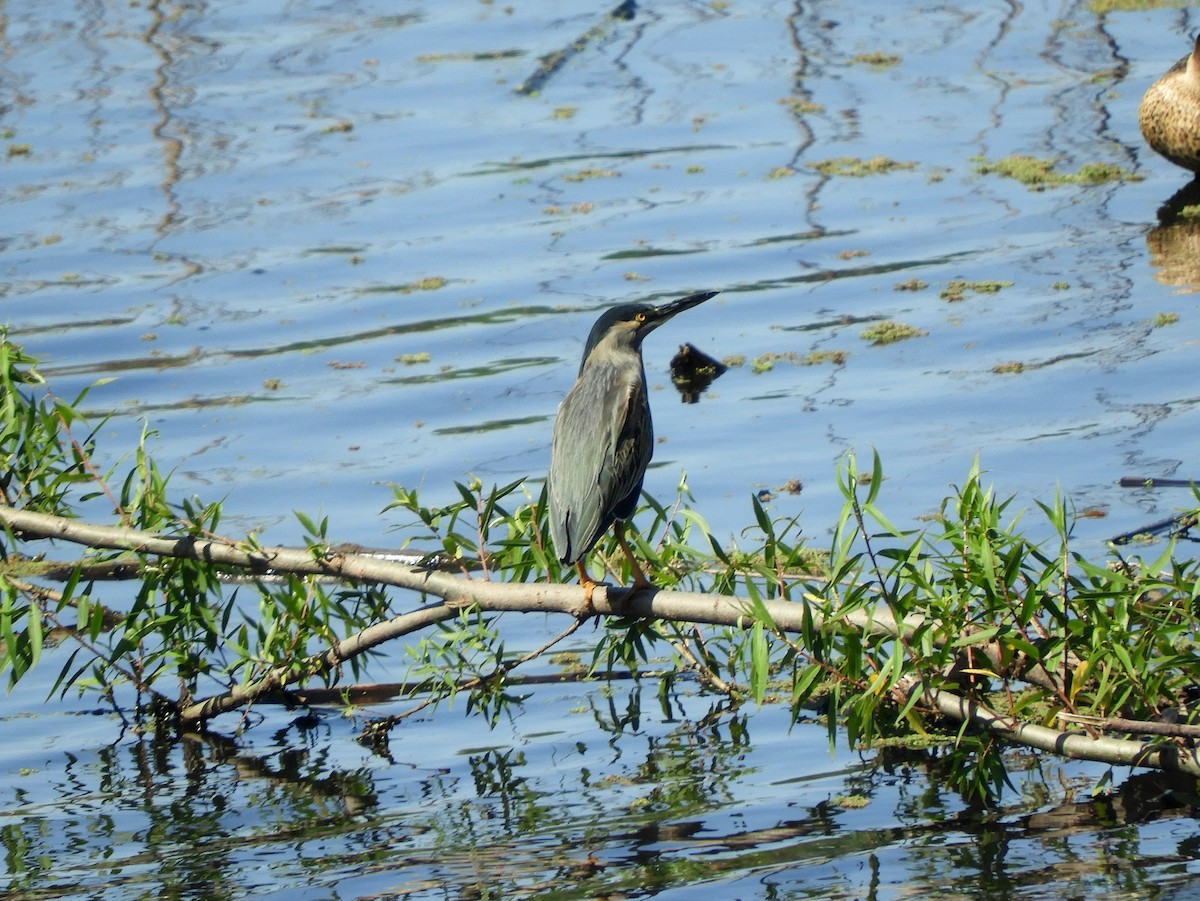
(459, 592)
(1133, 727)
(1116, 751)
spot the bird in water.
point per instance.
(1169, 114)
(603, 435)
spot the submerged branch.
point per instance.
(1163, 755)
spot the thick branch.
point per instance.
(1115, 751)
(458, 592)
(29, 524)
(455, 590)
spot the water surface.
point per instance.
(254, 217)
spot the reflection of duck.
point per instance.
(1175, 254)
(1175, 244)
(1169, 114)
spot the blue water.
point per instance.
(230, 209)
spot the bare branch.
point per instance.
(282, 676)
(1116, 751)
(1133, 727)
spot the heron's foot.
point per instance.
(589, 588)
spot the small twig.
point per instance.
(377, 727)
(706, 674)
(85, 459)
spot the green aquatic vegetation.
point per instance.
(913, 284)
(816, 357)
(1039, 174)
(766, 362)
(889, 332)
(957, 289)
(1009, 368)
(876, 59)
(590, 173)
(1161, 319)
(1101, 7)
(856, 167)
(430, 283)
(852, 802)
(800, 106)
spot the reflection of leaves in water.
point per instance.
(334, 249)
(149, 361)
(481, 56)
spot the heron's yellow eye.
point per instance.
(641, 317)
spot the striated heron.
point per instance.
(603, 436)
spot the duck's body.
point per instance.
(1169, 114)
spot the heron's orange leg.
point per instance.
(588, 583)
(639, 577)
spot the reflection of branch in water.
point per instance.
(552, 62)
(1173, 527)
(172, 146)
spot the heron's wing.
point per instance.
(601, 445)
(633, 446)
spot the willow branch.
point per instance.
(1133, 727)
(282, 676)
(379, 726)
(457, 593)
(1115, 751)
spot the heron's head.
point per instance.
(623, 327)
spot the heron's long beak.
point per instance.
(667, 310)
